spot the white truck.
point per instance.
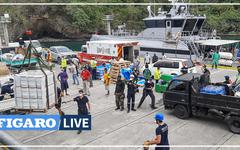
(106, 49)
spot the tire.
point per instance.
(181, 112)
(59, 60)
(234, 124)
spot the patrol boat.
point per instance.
(169, 33)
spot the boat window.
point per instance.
(190, 23)
(178, 23)
(198, 26)
(150, 23)
(168, 23)
(155, 23)
(160, 23)
(179, 86)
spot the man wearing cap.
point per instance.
(148, 90)
(131, 94)
(93, 64)
(161, 139)
(227, 80)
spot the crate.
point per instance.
(31, 90)
(166, 77)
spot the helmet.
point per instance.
(159, 117)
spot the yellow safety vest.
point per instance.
(93, 63)
(64, 63)
(157, 74)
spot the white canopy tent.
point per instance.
(216, 42)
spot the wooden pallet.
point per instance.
(30, 110)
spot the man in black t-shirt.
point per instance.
(148, 90)
(161, 138)
(83, 105)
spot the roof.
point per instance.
(112, 42)
(188, 76)
(216, 42)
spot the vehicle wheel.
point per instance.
(234, 124)
(59, 60)
(181, 112)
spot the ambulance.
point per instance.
(104, 50)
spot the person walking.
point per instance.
(73, 71)
(106, 78)
(63, 63)
(147, 59)
(136, 63)
(83, 105)
(119, 93)
(131, 94)
(147, 73)
(154, 58)
(148, 90)
(49, 58)
(157, 75)
(215, 60)
(93, 64)
(85, 75)
(89, 68)
(161, 139)
(62, 78)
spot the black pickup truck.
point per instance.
(183, 96)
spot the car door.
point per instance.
(54, 53)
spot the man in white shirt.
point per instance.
(147, 59)
(73, 71)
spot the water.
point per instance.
(73, 45)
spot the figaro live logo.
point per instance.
(45, 122)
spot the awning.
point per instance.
(216, 42)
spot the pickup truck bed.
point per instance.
(183, 96)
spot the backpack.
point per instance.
(147, 73)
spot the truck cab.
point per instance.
(184, 97)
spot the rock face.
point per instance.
(44, 22)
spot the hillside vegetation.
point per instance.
(80, 21)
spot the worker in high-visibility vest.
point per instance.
(93, 64)
(63, 63)
(49, 58)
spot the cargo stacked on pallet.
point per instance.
(115, 69)
(33, 91)
(226, 59)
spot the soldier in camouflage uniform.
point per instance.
(119, 94)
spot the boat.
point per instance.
(172, 33)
